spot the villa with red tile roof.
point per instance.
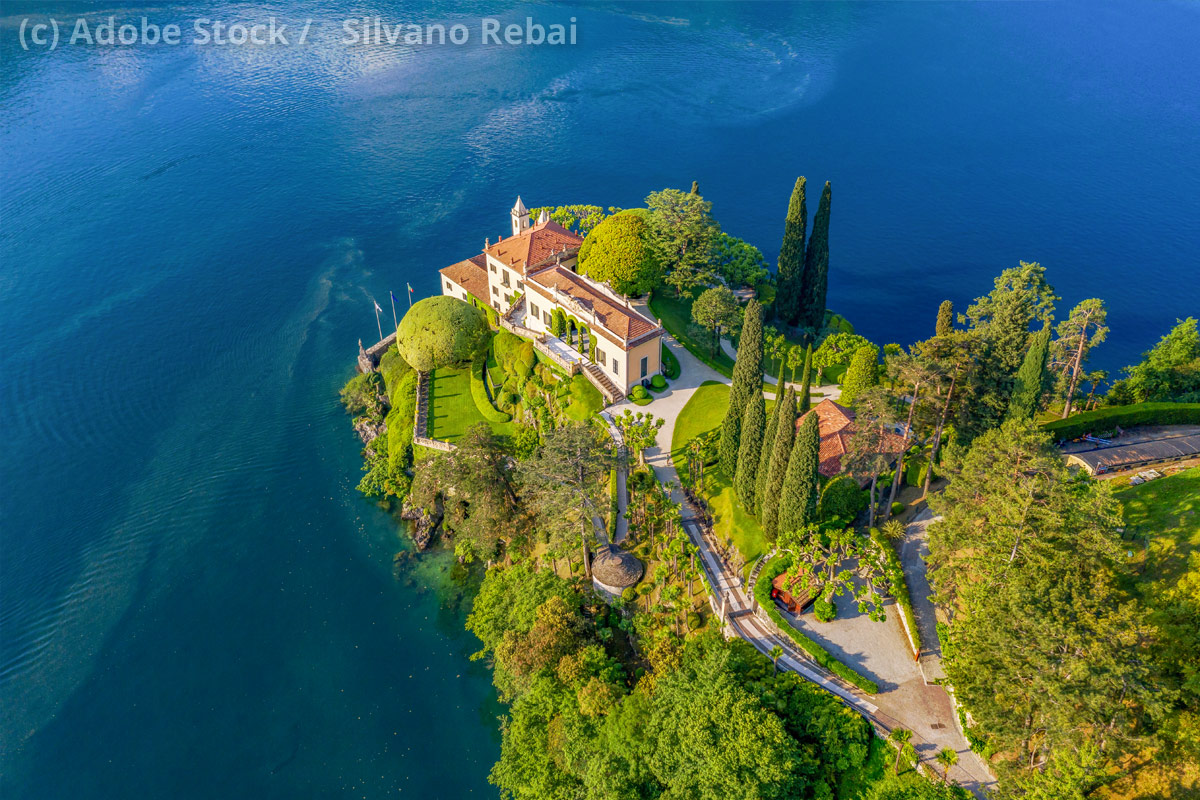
(530, 274)
(837, 427)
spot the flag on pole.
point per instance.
(410, 291)
(377, 308)
(378, 324)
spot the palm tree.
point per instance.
(893, 529)
(947, 758)
(902, 738)
(776, 652)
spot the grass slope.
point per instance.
(1165, 514)
(704, 412)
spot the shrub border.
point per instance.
(1106, 420)
(480, 394)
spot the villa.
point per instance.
(530, 276)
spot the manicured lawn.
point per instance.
(452, 409)
(1166, 514)
(675, 313)
(586, 399)
(704, 412)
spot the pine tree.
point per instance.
(945, 319)
(764, 457)
(747, 382)
(862, 374)
(1031, 377)
(798, 498)
(806, 382)
(781, 451)
(816, 266)
(750, 449)
(789, 279)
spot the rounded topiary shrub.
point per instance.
(506, 399)
(658, 382)
(440, 331)
(639, 392)
(629, 595)
(898, 507)
(824, 610)
(842, 498)
(693, 620)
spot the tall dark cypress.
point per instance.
(781, 451)
(747, 381)
(749, 450)
(816, 266)
(695, 187)
(945, 319)
(806, 381)
(790, 276)
(764, 456)
(798, 498)
(1030, 381)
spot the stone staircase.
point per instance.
(602, 382)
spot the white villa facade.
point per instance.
(531, 274)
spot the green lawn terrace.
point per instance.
(1162, 529)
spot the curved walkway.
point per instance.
(924, 709)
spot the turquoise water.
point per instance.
(194, 602)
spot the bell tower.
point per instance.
(520, 218)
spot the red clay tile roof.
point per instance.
(533, 246)
(471, 275)
(610, 312)
(837, 426)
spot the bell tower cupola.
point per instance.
(520, 218)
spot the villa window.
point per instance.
(645, 360)
(546, 318)
(492, 267)
(534, 310)
(615, 370)
(600, 356)
(507, 299)
(504, 280)
(464, 295)
(449, 286)
(519, 286)
(495, 292)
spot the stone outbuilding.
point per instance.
(614, 570)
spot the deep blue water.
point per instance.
(194, 602)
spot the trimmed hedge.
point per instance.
(670, 364)
(658, 383)
(762, 593)
(480, 394)
(1106, 420)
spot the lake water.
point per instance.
(194, 602)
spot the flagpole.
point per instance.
(409, 285)
(394, 320)
(377, 323)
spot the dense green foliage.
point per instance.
(801, 482)
(750, 450)
(670, 364)
(789, 298)
(616, 252)
(681, 236)
(708, 719)
(781, 452)
(1170, 371)
(861, 375)
(738, 262)
(479, 392)
(1104, 421)
(842, 499)
(764, 456)
(1083, 329)
(1030, 382)
(1046, 645)
(361, 393)
(747, 382)
(836, 349)
(806, 381)
(945, 319)
(440, 331)
(717, 310)
(816, 266)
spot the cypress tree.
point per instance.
(781, 451)
(1030, 382)
(750, 449)
(862, 374)
(945, 319)
(806, 381)
(695, 187)
(798, 498)
(747, 382)
(764, 457)
(816, 266)
(790, 274)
